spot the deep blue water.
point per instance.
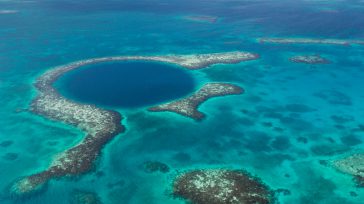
(126, 84)
(291, 119)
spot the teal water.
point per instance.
(279, 129)
(126, 84)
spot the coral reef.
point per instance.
(188, 106)
(360, 181)
(203, 60)
(155, 166)
(220, 187)
(309, 59)
(310, 41)
(100, 125)
(353, 165)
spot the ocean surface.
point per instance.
(290, 119)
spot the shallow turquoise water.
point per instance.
(279, 129)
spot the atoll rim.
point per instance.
(189, 106)
(103, 125)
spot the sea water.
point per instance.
(126, 84)
(280, 129)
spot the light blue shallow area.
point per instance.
(279, 129)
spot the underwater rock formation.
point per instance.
(353, 165)
(221, 187)
(189, 106)
(310, 41)
(100, 125)
(309, 59)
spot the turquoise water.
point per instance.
(279, 129)
(126, 84)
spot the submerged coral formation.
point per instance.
(85, 197)
(188, 106)
(309, 41)
(100, 125)
(309, 59)
(334, 97)
(155, 166)
(220, 187)
(353, 165)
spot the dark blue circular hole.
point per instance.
(126, 84)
